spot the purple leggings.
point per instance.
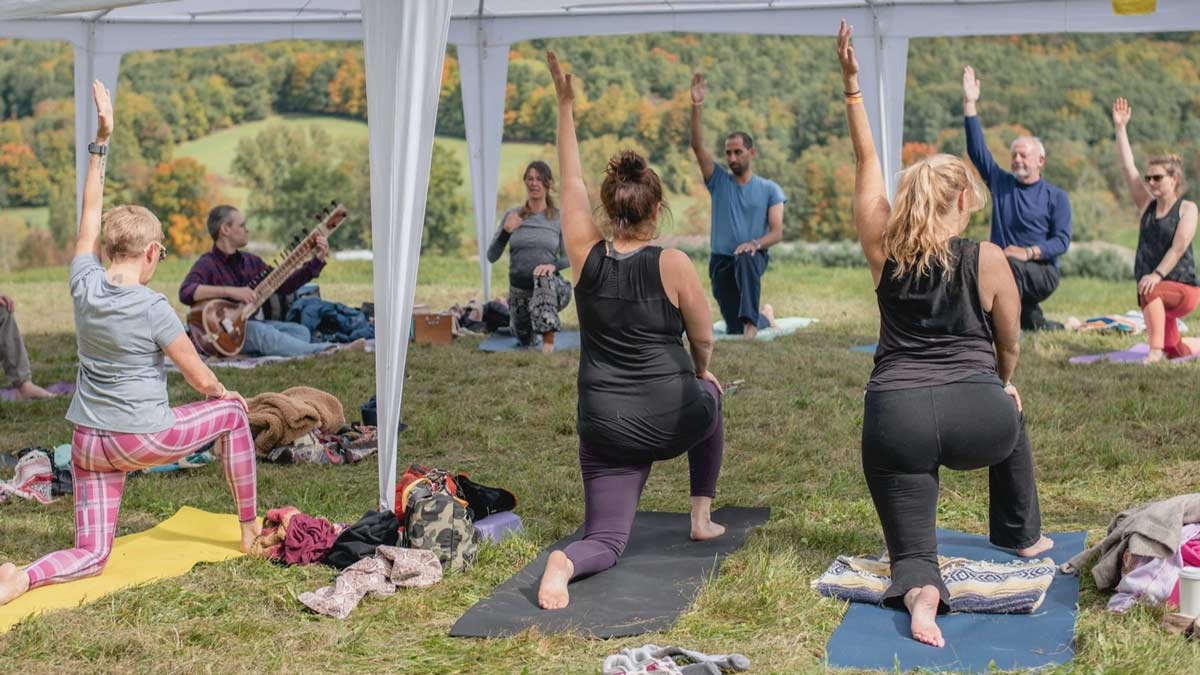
(611, 493)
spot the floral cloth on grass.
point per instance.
(380, 575)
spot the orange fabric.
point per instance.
(1178, 300)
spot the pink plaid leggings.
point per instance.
(99, 460)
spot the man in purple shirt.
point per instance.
(227, 272)
(1031, 219)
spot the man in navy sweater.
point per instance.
(1031, 219)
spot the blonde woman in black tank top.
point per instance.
(1164, 264)
(940, 393)
(642, 396)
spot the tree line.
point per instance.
(633, 92)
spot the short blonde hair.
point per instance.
(128, 230)
(915, 236)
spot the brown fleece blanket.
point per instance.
(279, 419)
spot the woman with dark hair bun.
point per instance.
(533, 234)
(642, 398)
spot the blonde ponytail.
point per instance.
(916, 233)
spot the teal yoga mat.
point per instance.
(565, 340)
(875, 638)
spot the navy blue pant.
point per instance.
(611, 492)
(1036, 280)
(737, 286)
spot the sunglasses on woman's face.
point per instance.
(162, 251)
(1155, 177)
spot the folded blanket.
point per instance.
(975, 586)
(280, 418)
(1153, 530)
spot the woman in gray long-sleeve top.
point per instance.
(533, 234)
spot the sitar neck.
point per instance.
(291, 263)
(294, 259)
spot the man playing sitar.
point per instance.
(226, 286)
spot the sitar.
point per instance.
(218, 326)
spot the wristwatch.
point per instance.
(98, 149)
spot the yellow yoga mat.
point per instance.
(166, 550)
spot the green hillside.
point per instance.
(216, 151)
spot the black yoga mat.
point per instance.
(655, 581)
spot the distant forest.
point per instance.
(633, 93)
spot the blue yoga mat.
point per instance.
(865, 349)
(876, 638)
(565, 340)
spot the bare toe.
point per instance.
(13, 583)
(923, 604)
(552, 594)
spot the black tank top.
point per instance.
(637, 385)
(1154, 240)
(932, 328)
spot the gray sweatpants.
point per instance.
(12, 350)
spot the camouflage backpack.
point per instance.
(436, 522)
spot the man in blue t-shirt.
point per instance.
(747, 219)
(1031, 219)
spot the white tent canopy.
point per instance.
(404, 42)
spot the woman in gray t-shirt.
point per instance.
(533, 234)
(123, 420)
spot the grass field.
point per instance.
(1105, 437)
(216, 151)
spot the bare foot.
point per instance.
(922, 604)
(706, 530)
(13, 583)
(1154, 356)
(703, 528)
(548, 343)
(1193, 344)
(750, 331)
(29, 391)
(552, 594)
(359, 345)
(250, 531)
(1040, 546)
(769, 312)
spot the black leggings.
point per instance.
(908, 434)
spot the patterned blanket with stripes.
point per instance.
(975, 586)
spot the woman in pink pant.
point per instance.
(123, 420)
(1164, 264)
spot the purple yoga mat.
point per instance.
(58, 389)
(1134, 354)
